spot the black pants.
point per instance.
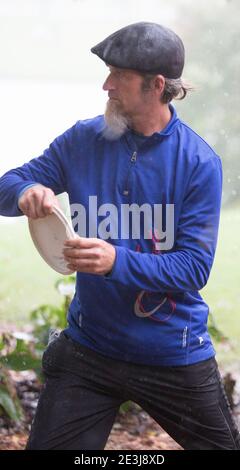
(84, 390)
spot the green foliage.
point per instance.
(18, 354)
(9, 402)
(209, 31)
(21, 270)
(48, 317)
(126, 406)
(43, 319)
(23, 357)
(26, 353)
(215, 332)
(10, 405)
(1, 343)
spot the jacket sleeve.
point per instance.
(188, 266)
(48, 170)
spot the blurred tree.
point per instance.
(211, 33)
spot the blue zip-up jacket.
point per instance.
(174, 166)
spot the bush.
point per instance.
(21, 351)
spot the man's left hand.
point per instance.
(89, 255)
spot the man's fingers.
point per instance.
(72, 268)
(98, 259)
(81, 242)
(30, 210)
(84, 253)
(38, 202)
(48, 202)
(85, 266)
(35, 208)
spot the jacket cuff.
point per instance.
(118, 266)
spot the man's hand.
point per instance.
(37, 201)
(89, 255)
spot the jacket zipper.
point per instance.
(132, 160)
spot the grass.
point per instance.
(27, 282)
(222, 292)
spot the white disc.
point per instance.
(49, 234)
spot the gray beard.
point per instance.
(116, 123)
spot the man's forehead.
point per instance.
(112, 68)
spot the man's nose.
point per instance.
(108, 84)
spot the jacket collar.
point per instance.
(158, 136)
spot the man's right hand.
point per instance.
(37, 201)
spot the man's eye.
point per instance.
(117, 73)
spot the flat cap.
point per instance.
(145, 47)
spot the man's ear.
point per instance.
(159, 83)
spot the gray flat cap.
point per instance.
(145, 47)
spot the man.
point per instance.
(137, 323)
